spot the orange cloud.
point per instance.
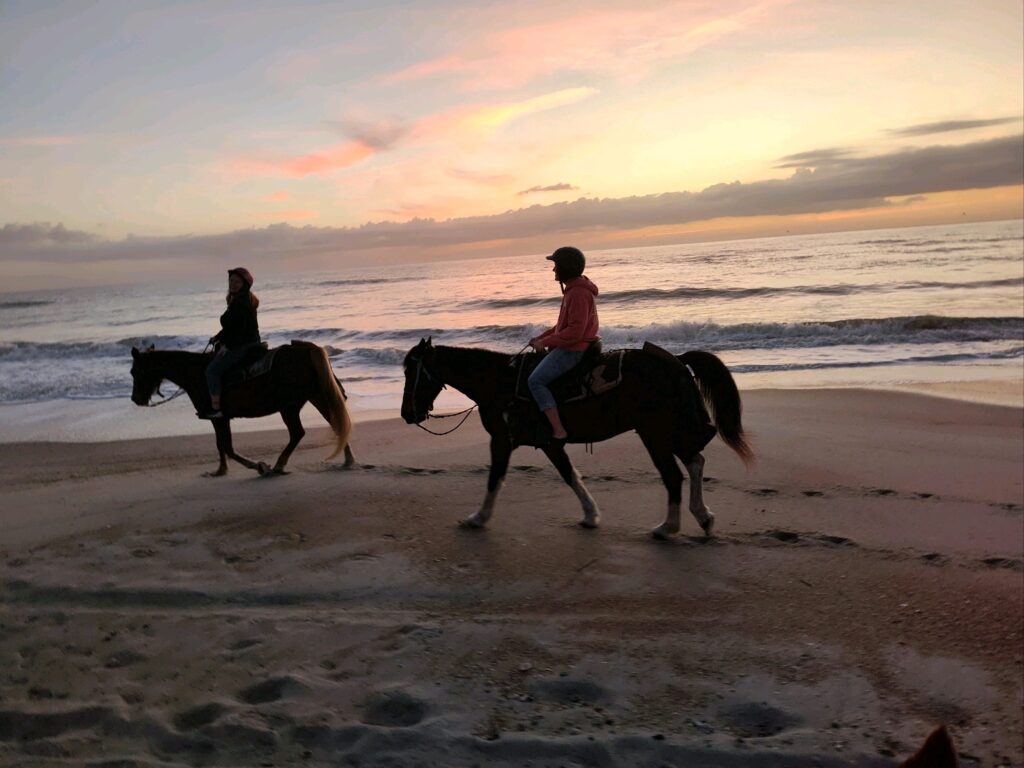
(278, 197)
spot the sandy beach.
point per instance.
(864, 583)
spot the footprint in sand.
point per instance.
(197, 717)
(393, 709)
(1002, 562)
(756, 720)
(882, 492)
(812, 493)
(765, 492)
(271, 689)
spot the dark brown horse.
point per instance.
(301, 373)
(657, 397)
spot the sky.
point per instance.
(142, 139)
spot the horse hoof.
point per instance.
(708, 524)
(471, 523)
(263, 469)
(590, 524)
(661, 533)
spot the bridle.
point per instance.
(180, 391)
(422, 370)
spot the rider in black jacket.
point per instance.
(239, 331)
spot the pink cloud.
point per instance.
(326, 161)
(278, 197)
(623, 42)
(461, 123)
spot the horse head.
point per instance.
(422, 382)
(145, 378)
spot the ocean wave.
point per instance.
(382, 347)
(943, 358)
(692, 292)
(23, 304)
(363, 281)
(917, 329)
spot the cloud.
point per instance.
(482, 119)
(279, 197)
(625, 42)
(848, 183)
(41, 234)
(378, 134)
(561, 187)
(328, 160)
(370, 138)
(815, 158)
(947, 126)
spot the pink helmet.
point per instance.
(243, 273)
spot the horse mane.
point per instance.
(472, 356)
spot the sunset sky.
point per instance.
(151, 138)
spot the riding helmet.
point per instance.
(570, 261)
(243, 273)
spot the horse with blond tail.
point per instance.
(301, 373)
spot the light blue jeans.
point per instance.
(554, 364)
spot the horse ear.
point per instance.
(135, 353)
(151, 347)
(429, 339)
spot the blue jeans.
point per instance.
(224, 358)
(554, 364)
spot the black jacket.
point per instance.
(238, 323)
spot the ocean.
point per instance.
(892, 308)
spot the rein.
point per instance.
(179, 393)
(448, 416)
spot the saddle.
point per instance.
(257, 361)
(595, 374)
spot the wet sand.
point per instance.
(864, 583)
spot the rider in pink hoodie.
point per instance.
(576, 328)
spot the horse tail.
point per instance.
(329, 398)
(722, 398)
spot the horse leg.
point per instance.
(695, 469)
(350, 458)
(501, 451)
(555, 451)
(661, 454)
(223, 446)
(223, 427)
(295, 434)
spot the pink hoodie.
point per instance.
(577, 318)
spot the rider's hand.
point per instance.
(536, 345)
